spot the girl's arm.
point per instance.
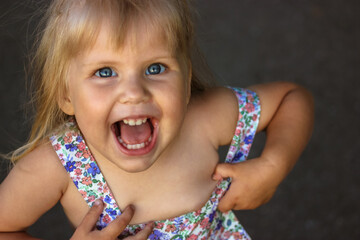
(287, 117)
(33, 186)
(36, 184)
(16, 236)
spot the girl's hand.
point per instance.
(86, 229)
(254, 182)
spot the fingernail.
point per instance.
(97, 203)
(216, 177)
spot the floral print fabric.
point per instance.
(78, 161)
(206, 223)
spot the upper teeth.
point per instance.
(133, 122)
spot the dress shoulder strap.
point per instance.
(248, 120)
(78, 161)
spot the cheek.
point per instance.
(89, 100)
(175, 102)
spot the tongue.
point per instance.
(135, 134)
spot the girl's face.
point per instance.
(130, 102)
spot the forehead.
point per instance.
(82, 21)
(136, 37)
(137, 46)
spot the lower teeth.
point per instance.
(134, 146)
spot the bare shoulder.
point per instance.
(217, 110)
(42, 161)
(36, 183)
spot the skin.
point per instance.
(288, 127)
(86, 228)
(114, 229)
(99, 102)
(185, 154)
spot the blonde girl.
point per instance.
(123, 116)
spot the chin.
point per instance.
(135, 166)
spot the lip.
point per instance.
(145, 150)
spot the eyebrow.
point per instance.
(96, 63)
(105, 62)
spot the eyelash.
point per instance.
(162, 69)
(111, 73)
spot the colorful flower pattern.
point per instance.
(206, 223)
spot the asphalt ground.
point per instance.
(312, 43)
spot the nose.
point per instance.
(133, 90)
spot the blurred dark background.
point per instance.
(314, 43)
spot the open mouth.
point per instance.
(135, 136)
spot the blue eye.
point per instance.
(105, 73)
(155, 68)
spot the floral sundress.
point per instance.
(206, 223)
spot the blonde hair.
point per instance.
(72, 26)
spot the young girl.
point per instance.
(122, 115)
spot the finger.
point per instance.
(143, 234)
(226, 203)
(119, 224)
(92, 216)
(223, 170)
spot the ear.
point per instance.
(66, 105)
